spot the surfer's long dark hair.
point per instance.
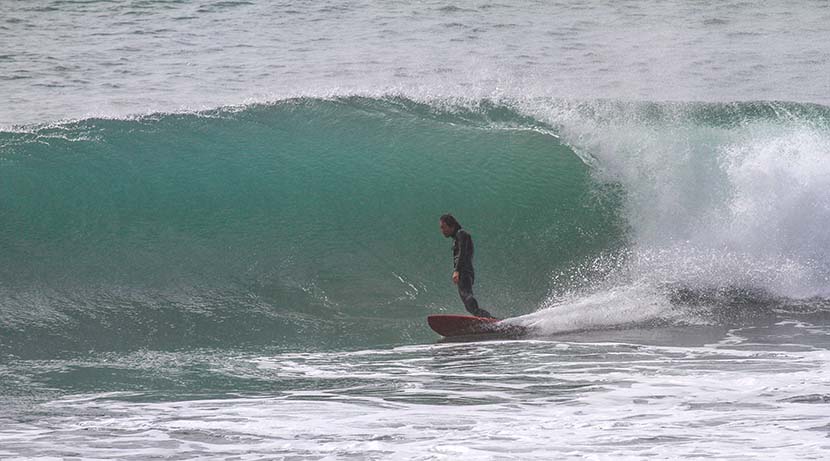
(450, 220)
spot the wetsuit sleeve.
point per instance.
(464, 263)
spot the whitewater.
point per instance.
(219, 229)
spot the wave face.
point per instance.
(305, 222)
(313, 223)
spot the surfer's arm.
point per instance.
(465, 253)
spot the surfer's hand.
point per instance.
(455, 278)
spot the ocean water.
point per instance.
(219, 229)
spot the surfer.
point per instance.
(462, 255)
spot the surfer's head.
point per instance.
(449, 225)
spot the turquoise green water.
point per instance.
(307, 223)
(312, 224)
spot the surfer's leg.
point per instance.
(465, 290)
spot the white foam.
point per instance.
(531, 400)
(741, 203)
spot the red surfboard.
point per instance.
(465, 325)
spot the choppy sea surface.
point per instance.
(219, 236)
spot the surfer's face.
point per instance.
(445, 229)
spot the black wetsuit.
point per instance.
(462, 255)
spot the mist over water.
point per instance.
(79, 59)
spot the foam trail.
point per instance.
(609, 308)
